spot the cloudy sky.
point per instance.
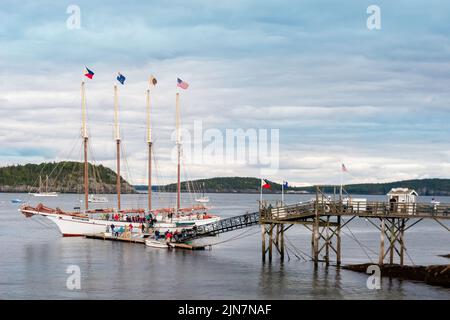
(376, 100)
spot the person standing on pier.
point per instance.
(169, 236)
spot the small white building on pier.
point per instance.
(402, 200)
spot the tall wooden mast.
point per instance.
(84, 133)
(178, 149)
(117, 137)
(149, 142)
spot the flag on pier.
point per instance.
(284, 185)
(265, 184)
(88, 73)
(344, 169)
(182, 84)
(121, 78)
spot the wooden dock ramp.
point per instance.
(141, 240)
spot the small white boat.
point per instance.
(435, 203)
(45, 193)
(202, 199)
(156, 244)
(97, 199)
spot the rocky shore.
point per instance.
(437, 275)
(69, 188)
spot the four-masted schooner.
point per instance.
(92, 221)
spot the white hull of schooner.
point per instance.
(76, 226)
(73, 224)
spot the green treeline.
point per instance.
(64, 176)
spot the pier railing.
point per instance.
(288, 211)
(355, 208)
(373, 208)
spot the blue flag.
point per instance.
(121, 78)
(285, 184)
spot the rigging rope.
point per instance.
(129, 178)
(239, 236)
(359, 243)
(297, 249)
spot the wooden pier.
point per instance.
(323, 217)
(102, 236)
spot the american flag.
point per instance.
(182, 84)
(344, 169)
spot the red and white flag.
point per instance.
(344, 169)
(265, 184)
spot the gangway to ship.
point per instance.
(246, 220)
(221, 226)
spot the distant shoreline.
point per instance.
(70, 179)
(250, 185)
(228, 192)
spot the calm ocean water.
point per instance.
(34, 258)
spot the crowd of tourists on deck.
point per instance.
(136, 218)
(127, 230)
(117, 231)
(145, 223)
